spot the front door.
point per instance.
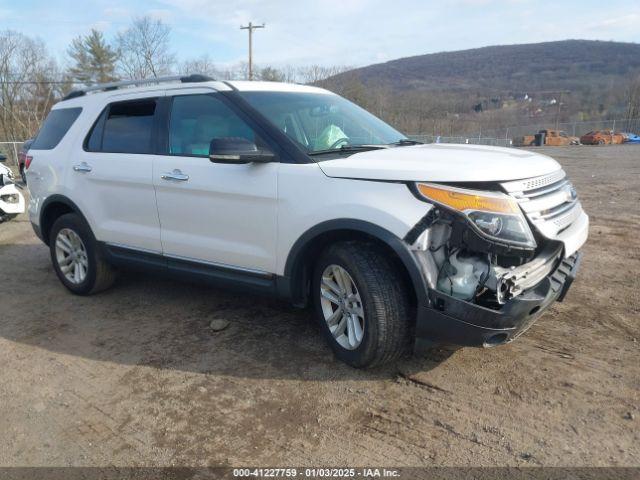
(222, 214)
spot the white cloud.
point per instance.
(327, 32)
(162, 14)
(336, 32)
(101, 25)
(627, 20)
(117, 12)
(358, 32)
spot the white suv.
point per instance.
(294, 191)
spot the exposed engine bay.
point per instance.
(459, 260)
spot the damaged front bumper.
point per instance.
(11, 201)
(453, 321)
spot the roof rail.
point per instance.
(193, 78)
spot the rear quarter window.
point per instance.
(55, 127)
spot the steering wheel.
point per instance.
(338, 142)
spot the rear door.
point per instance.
(221, 214)
(111, 176)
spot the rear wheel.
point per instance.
(361, 304)
(23, 174)
(76, 258)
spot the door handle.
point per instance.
(176, 175)
(83, 167)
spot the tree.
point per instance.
(95, 60)
(203, 65)
(144, 50)
(633, 105)
(633, 99)
(313, 74)
(28, 85)
(270, 74)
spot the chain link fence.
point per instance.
(503, 137)
(574, 129)
(475, 140)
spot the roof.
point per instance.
(129, 87)
(246, 86)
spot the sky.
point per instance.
(329, 32)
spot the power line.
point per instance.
(36, 82)
(251, 27)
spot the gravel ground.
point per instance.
(135, 376)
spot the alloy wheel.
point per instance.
(342, 307)
(71, 255)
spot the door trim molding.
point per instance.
(222, 266)
(190, 269)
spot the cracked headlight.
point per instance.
(493, 214)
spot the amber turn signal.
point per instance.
(465, 200)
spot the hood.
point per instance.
(441, 162)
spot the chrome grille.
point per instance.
(550, 202)
(543, 181)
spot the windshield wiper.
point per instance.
(406, 141)
(349, 149)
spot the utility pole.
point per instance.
(558, 112)
(251, 27)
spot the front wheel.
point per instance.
(76, 257)
(361, 304)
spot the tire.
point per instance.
(77, 237)
(601, 142)
(23, 174)
(385, 326)
(5, 217)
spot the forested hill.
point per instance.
(569, 64)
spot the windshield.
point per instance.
(321, 122)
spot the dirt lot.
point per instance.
(135, 376)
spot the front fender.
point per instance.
(291, 285)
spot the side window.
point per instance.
(124, 127)
(56, 125)
(94, 141)
(198, 119)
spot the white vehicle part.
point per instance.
(11, 200)
(460, 277)
(114, 192)
(4, 170)
(551, 204)
(221, 214)
(429, 251)
(513, 281)
(307, 198)
(470, 270)
(442, 163)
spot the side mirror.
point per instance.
(237, 150)
(3, 158)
